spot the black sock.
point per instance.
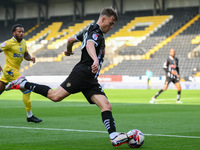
(158, 93)
(39, 89)
(178, 95)
(108, 121)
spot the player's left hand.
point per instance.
(1, 70)
(67, 53)
(33, 59)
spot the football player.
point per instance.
(83, 77)
(172, 75)
(15, 51)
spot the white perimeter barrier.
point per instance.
(118, 82)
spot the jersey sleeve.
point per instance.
(79, 37)
(177, 67)
(165, 66)
(5, 46)
(95, 37)
(26, 50)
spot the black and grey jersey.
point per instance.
(169, 65)
(92, 33)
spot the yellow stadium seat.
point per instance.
(72, 30)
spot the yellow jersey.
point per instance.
(14, 52)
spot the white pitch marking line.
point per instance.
(93, 131)
(114, 103)
(52, 129)
(50, 106)
(178, 136)
(174, 99)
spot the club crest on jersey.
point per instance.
(10, 73)
(68, 84)
(95, 36)
(173, 66)
(20, 49)
(3, 44)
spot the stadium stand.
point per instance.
(66, 33)
(181, 42)
(7, 33)
(50, 54)
(56, 67)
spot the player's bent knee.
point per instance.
(56, 99)
(110, 107)
(107, 107)
(55, 96)
(1, 91)
(165, 88)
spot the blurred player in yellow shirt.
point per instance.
(15, 50)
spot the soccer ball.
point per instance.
(136, 138)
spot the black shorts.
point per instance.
(80, 81)
(174, 80)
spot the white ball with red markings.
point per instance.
(136, 138)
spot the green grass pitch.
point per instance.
(74, 124)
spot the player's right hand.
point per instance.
(174, 72)
(67, 53)
(95, 66)
(1, 69)
(33, 59)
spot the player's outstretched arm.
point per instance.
(165, 66)
(176, 73)
(92, 52)
(0, 69)
(0, 66)
(70, 44)
(28, 57)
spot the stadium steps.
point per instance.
(181, 44)
(179, 19)
(138, 67)
(6, 31)
(48, 57)
(70, 31)
(196, 40)
(49, 32)
(169, 39)
(129, 52)
(136, 52)
(63, 67)
(31, 30)
(55, 53)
